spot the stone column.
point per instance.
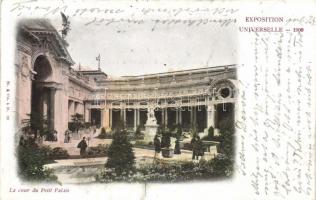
(138, 115)
(51, 113)
(192, 115)
(166, 116)
(135, 119)
(180, 115)
(110, 118)
(102, 113)
(162, 115)
(177, 115)
(124, 115)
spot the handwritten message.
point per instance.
(275, 121)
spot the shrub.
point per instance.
(142, 143)
(77, 122)
(138, 133)
(121, 157)
(172, 172)
(177, 147)
(165, 139)
(59, 153)
(193, 131)
(36, 123)
(222, 165)
(98, 151)
(102, 134)
(71, 126)
(210, 132)
(87, 124)
(30, 163)
(179, 131)
(226, 145)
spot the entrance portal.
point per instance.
(42, 97)
(96, 117)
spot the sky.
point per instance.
(129, 49)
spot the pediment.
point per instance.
(42, 35)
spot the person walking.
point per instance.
(83, 146)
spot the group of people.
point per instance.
(196, 142)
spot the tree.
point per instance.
(121, 157)
(210, 133)
(194, 131)
(102, 134)
(227, 137)
(120, 126)
(178, 136)
(138, 133)
(179, 131)
(177, 149)
(165, 140)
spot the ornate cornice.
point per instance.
(24, 48)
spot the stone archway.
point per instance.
(222, 104)
(43, 93)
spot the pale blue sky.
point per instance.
(136, 49)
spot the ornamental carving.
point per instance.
(222, 89)
(25, 70)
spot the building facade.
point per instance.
(47, 84)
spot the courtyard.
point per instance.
(76, 169)
(172, 125)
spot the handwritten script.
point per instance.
(275, 120)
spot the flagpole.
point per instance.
(99, 60)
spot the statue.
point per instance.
(151, 119)
(150, 126)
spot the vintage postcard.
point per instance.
(157, 100)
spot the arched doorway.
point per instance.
(42, 97)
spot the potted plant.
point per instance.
(166, 151)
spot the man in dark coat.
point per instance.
(193, 143)
(199, 147)
(83, 146)
(157, 144)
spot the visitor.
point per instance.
(67, 137)
(194, 147)
(199, 147)
(177, 149)
(157, 144)
(55, 135)
(83, 146)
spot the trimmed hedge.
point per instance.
(219, 167)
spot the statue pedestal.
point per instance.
(150, 132)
